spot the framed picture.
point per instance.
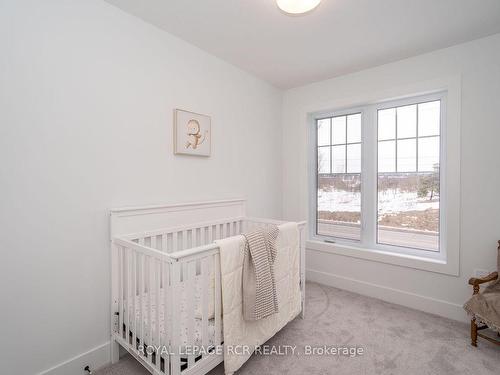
(192, 134)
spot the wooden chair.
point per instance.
(485, 307)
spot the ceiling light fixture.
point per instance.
(295, 7)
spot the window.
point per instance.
(339, 176)
(383, 189)
(408, 175)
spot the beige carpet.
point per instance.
(396, 340)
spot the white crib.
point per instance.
(165, 282)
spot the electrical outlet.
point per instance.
(481, 273)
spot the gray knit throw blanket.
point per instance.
(258, 283)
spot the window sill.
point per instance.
(402, 260)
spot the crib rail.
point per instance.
(174, 239)
(143, 282)
(154, 287)
(141, 249)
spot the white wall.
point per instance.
(87, 94)
(86, 100)
(478, 65)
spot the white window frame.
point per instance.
(367, 247)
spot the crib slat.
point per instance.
(134, 306)
(190, 271)
(183, 239)
(218, 300)
(217, 232)
(167, 318)
(175, 239)
(150, 270)
(202, 236)
(138, 327)
(210, 234)
(175, 321)
(129, 292)
(191, 238)
(157, 341)
(120, 297)
(164, 243)
(196, 238)
(169, 243)
(205, 285)
(140, 331)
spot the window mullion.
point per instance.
(330, 146)
(345, 152)
(416, 141)
(368, 176)
(396, 140)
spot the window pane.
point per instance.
(407, 155)
(429, 118)
(387, 156)
(387, 124)
(407, 121)
(339, 124)
(408, 210)
(338, 162)
(428, 154)
(339, 206)
(324, 159)
(354, 158)
(324, 132)
(408, 201)
(354, 128)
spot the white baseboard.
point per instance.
(95, 358)
(400, 297)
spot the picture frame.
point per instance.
(192, 133)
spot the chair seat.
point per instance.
(485, 306)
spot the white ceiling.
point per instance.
(338, 37)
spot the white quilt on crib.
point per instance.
(239, 332)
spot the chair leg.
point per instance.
(473, 332)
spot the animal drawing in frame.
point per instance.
(192, 133)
